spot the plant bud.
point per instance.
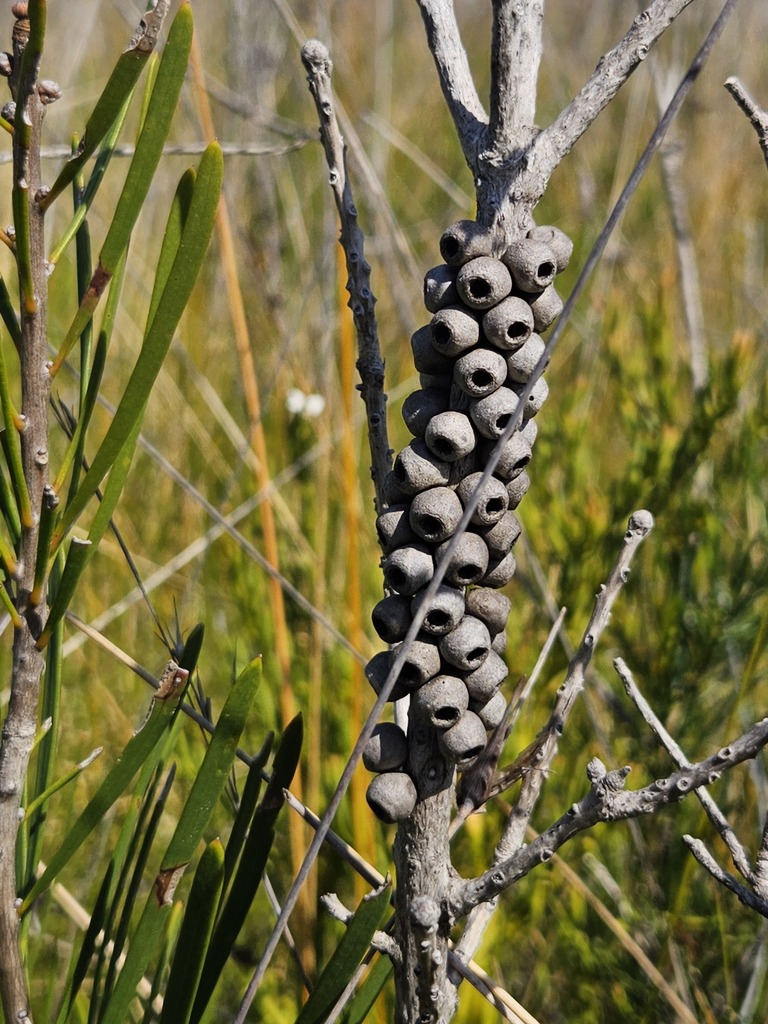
(387, 749)
(450, 436)
(522, 363)
(391, 796)
(462, 743)
(410, 568)
(492, 502)
(435, 514)
(532, 264)
(453, 330)
(392, 618)
(416, 468)
(483, 282)
(441, 702)
(489, 606)
(440, 287)
(509, 325)
(468, 645)
(558, 242)
(480, 372)
(468, 562)
(486, 680)
(463, 241)
(444, 612)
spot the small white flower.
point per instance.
(300, 404)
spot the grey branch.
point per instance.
(758, 117)
(715, 815)
(317, 62)
(515, 59)
(606, 801)
(705, 858)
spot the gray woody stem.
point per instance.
(607, 801)
(639, 526)
(21, 719)
(758, 117)
(317, 62)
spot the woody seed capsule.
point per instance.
(441, 702)
(503, 535)
(417, 468)
(420, 406)
(483, 282)
(435, 514)
(546, 308)
(514, 457)
(453, 330)
(393, 528)
(468, 645)
(500, 571)
(464, 741)
(558, 242)
(480, 372)
(492, 502)
(517, 488)
(468, 562)
(522, 363)
(536, 399)
(422, 662)
(508, 325)
(450, 435)
(444, 611)
(532, 264)
(483, 683)
(491, 713)
(387, 748)
(392, 618)
(492, 413)
(427, 358)
(440, 287)
(410, 568)
(463, 241)
(490, 606)
(377, 672)
(391, 796)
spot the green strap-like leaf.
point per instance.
(205, 792)
(245, 811)
(361, 1005)
(252, 864)
(161, 716)
(149, 148)
(347, 957)
(189, 258)
(195, 935)
(119, 87)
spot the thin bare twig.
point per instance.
(705, 858)
(515, 59)
(317, 62)
(758, 117)
(715, 815)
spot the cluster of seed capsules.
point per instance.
(474, 358)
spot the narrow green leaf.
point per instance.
(251, 867)
(165, 704)
(117, 90)
(8, 314)
(149, 148)
(192, 648)
(189, 258)
(78, 556)
(12, 446)
(347, 957)
(64, 780)
(174, 230)
(246, 810)
(48, 516)
(361, 1005)
(194, 936)
(205, 792)
(170, 940)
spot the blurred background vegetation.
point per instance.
(623, 428)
